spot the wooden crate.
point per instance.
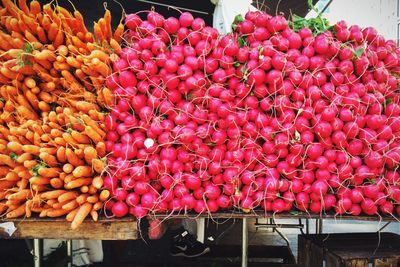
(349, 250)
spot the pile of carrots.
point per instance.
(52, 102)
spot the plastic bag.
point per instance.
(226, 11)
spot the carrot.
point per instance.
(95, 136)
(49, 172)
(104, 195)
(90, 154)
(82, 198)
(43, 213)
(59, 38)
(83, 212)
(41, 34)
(92, 190)
(20, 195)
(35, 150)
(35, 8)
(95, 215)
(15, 147)
(107, 21)
(73, 158)
(101, 149)
(56, 183)
(49, 150)
(49, 159)
(27, 113)
(97, 32)
(68, 168)
(52, 31)
(28, 206)
(33, 100)
(23, 183)
(92, 199)
(80, 138)
(71, 215)
(4, 170)
(118, 32)
(52, 194)
(56, 212)
(69, 140)
(82, 171)
(98, 205)
(60, 154)
(78, 183)
(12, 176)
(73, 62)
(115, 46)
(100, 67)
(3, 208)
(84, 189)
(66, 196)
(85, 106)
(70, 205)
(39, 180)
(98, 165)
(5, 159)
(17, 212)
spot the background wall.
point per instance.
(381, 14)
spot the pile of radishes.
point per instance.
(264, 117)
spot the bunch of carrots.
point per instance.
(52, 98)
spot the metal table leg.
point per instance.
(37, 252)
(245, 242)
(318, 226)
(200, 229)
(69, 253)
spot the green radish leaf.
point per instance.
(358, 52)
(242, 42)
(238, 18)
(388, 101)
(14, 156)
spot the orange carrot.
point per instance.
(101, 149)
(48, 159)
(73, 158)
(56, 183)
(71, 215)
(83, 212)
(78, 183)
(70, 205)
(60, 154)
(56, 212)
(104, 195)
(80, 138)
(94, 215)
(35, 150)
(90, 154)
(52, 194)
(49, 172)
(20, 195)
(82, 171)
(39, 180)
(98, 165)
(82, 198)
(15, 147)
(17, 212)
(66, 196)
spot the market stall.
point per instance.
(149, 116)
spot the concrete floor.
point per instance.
(262, 236)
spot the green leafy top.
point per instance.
(238, 18)
(358, 52)
(316, 25)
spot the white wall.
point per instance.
(381, 14)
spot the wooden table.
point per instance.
(126, 228)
